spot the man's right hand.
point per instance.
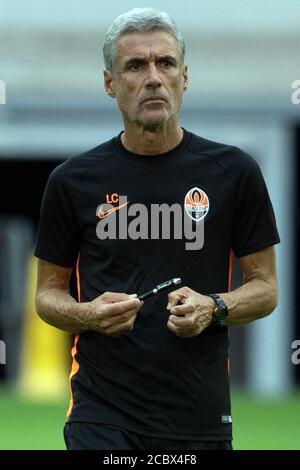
(112, 313)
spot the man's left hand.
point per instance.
(190, 312)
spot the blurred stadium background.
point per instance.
(243, 58)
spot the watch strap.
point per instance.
(220, 313)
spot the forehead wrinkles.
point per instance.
(146, 46)
(148, 55)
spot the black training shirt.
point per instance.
(149, 380)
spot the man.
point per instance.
(152, 374)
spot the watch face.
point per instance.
(220, 316)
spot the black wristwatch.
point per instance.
(220, 312)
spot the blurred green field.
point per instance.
(258, 424)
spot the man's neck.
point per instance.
(145, 142)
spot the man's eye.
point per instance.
(166, 63)
(135, 66)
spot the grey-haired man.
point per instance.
(152, 375)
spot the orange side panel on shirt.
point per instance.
(75, 365)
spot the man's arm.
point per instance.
(111, 313)
(256, 298)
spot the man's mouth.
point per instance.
(153, 98)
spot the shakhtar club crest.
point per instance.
(196, 204)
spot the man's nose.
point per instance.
(153, 78)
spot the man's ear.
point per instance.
(108, 83)
(185, 77)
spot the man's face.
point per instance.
(149, 79)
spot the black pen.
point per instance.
(157, 289)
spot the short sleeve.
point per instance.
(254, 224)
(58, 234)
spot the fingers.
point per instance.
(111, 297)
(182, 309)
(120, 328)
(114, 309)
(122, 307)
(193, 322)
(111, 316)
(118, 319)
(177, 296)
(178, 305)
(189, 320)
(173, 299)
(184, 332)
(186, 327)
